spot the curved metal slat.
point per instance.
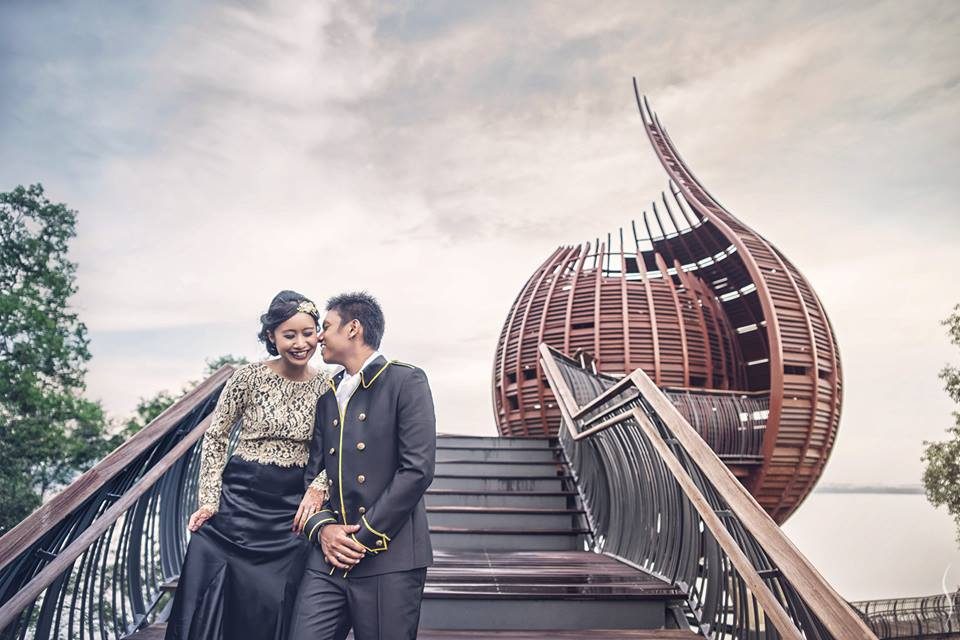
(742, 576)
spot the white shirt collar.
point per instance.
(373, 356)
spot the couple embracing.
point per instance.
(316, 524)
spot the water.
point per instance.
(877, 545)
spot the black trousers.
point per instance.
(383, 607)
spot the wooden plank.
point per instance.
(156, 632)
(510, 531)
(544, 591)
(507, 511)
(585, 634)
(468, 492)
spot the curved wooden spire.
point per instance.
(804, 414)
(714, 314)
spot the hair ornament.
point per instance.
(306, 306)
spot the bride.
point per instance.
(245, 557)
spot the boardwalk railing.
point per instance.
(732, 423)
(92, 561)
(935, 616)
(659, 498)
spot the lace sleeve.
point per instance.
(214, 456)
(320, 482)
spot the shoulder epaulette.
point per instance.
(403, 364)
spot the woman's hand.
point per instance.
(312, 501)
(199, 516)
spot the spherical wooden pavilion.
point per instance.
(711, 311)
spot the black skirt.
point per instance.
(243, 566)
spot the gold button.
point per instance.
(361, 446)
(362, 510)
(379, 543)
(336, 421)
(332, 451)
(362, 417)
(361, 478)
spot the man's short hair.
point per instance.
(361, 306)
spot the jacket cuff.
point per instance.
(372, 540)
(316, 523)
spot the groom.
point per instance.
(375, 434)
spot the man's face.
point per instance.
(336, 337)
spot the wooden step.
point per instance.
(560, 634)
(494, 441)
(517, 517)
(506, 539)
(570, 568)
(502, 482)
(156, 632)
(543, 612)
(564, 591)
(509, 590)
(498, 454)
(500, 468)
(533, 499)
(527, 559)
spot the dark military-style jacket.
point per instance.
(379, 455)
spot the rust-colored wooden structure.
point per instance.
(704, 305)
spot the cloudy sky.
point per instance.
(435, 153)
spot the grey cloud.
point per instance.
(218, 152)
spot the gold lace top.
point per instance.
(278, 415)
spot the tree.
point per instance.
(215, 363)
(149, 408)
(48, 431)
(941, 477)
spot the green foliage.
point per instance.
(941, 476)
(147, 410)
(48, 431)
(213, 364)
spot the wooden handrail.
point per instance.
(830, 608)
(604, 397)
(771, 607)
(24, 534)
(603, 426)
(565, 401)
(28, 594)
